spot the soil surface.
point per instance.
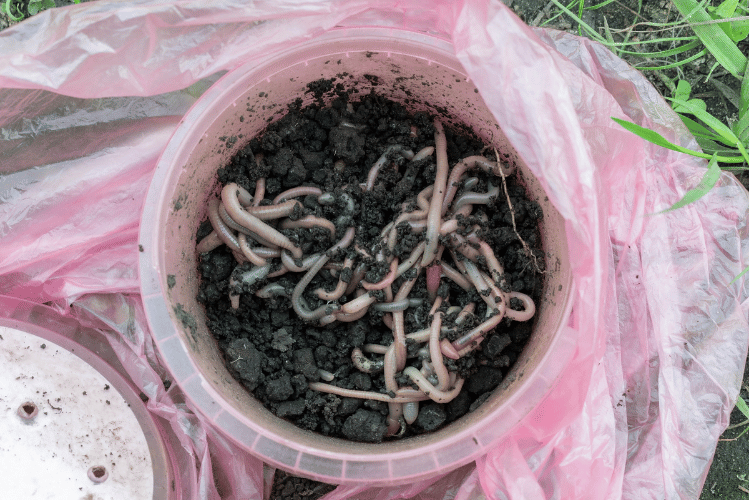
(274, 353)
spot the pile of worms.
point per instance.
(254, 233)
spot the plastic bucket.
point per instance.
(420, 71)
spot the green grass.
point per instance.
(702, 30)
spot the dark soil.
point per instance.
(288, 487)
(273, 352)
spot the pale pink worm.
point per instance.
(438, 193)
(430, 390)
(241, 216)
(309, 221)
(387, 280)
(297, 191)
(467, 163)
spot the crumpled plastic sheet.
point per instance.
(89, 97)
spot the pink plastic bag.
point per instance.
(662, 330)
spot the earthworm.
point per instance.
(327, 199)
(337, 292)
(469, 163)
(411, 412)
(222, 231)
(455, 276)
(249, 278)
(301, 311)
(260, 191)
(363, 364)
(309, 221)
(271, 290)
(373, 174)
(232, 224)
(271, 212)
(209, 242)
(296, 192)
(432, 280)
(349, 317)
(244, 196)
(387, 280)
(463, 247)
(399, 335)
(267, 253)
(494, 266)
(423, 153)
(362, 251)
(438, 193)
(388, 321)
(479, 283)
(375, 348)
(430, 390)
(391, 306)
(255, 274)
(467, 311)
(377, 396)
(248, 252)
(326, 375)
(357, 275)
(436, 355)
(477, 331)
(451, 225)
(470, 182)
(279, 272)
(362, 302)
(528, 307)
(395, 410)
(241, 216)
(307, 262)
(413, 258)
(423, 199)
(498, 296)
(474, 198)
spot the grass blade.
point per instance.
(744, 272)
(713, 37)
(656, 138)
(676, 64)
(665, 53)
(708, 119)
(706, 184)
(741, 404)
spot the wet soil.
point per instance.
(273, 352)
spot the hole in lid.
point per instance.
(98, 474)
(28, 410)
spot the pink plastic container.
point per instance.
(420, 71)
(170, 482)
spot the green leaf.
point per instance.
(36, 6)
(708, 119)
(740, 129)
(744, 272)
(8, 9)
(599, 5)
(713, 37)
(706, 184)
(699, 130)
(682, 91)
(695, 103)
(741, 403)
(657, 139)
